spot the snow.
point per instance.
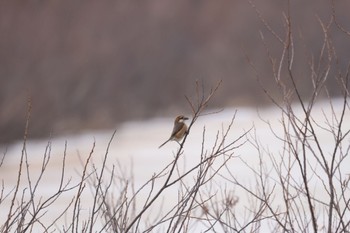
(134, 150)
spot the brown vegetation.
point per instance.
(92, 64)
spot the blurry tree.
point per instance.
(92, 64)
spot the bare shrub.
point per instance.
(116, 204)
(304, 187)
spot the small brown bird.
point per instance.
(179, 130)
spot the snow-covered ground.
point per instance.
(135, 149)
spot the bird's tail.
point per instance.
(164, 143)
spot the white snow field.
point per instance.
(134, 150)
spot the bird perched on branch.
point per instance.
(179, 130)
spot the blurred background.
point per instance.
(93, 64)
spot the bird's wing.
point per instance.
(177, 128)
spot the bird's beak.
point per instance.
(185, 118)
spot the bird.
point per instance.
(179, 130)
